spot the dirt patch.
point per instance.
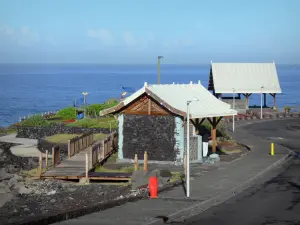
(231, 150)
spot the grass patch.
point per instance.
(60, 138)
(112, 158)
(63, 138)
(106, 122)
(33, 172)
(125, 169)
(175, 176)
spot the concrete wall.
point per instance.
(154, 134)
(240, 105)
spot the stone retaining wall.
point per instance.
(154, 134)
(265, 116)
(41, 132)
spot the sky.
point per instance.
(137, 31)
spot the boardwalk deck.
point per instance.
(74, 166)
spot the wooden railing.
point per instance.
(100, 150)
(55, 156)
(79, 143)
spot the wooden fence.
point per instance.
(100, 150)
(79, 143)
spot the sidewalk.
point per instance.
(24, 147)
(207, 189)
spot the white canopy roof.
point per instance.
(244, 78)
(177, 95)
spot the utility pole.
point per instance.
(158, 68)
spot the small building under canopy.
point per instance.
(153, 119)
(245, 79)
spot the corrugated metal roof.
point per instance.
(177, 95)
(245, 77)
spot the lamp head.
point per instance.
(195, 99)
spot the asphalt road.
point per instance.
(274, 202)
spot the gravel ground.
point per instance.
(24, 199)
(31, 198)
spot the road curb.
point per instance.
(205, 205)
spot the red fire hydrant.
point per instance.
(153, 187)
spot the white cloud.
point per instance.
(129, 39)
(179, 43)
(6, 31)
(104, 36)
(21, 37)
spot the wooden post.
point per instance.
(69, 148)
(46, 160)
(145, 161)
(86, 167)
(136, 163)
(274, 98)
(214, 135)
(110, 127)
(41, 165)
(53, 155)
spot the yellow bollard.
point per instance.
(272, 148)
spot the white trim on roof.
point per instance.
(245, 78)
(177, 95)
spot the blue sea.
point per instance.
(36, 88)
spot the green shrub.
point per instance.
(287, 108)
(111, 101)
(67, 113)
(35, 120)
(94, 109)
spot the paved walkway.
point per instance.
(207, 189)
(25, 147)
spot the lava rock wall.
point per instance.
(154, 134)
(40, 132)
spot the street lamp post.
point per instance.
(261, 102)
(188, 146)
(233, 106)
(84, 102)
(158, 68)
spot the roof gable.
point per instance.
(174, 97)
(244, 78)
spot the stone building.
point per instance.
(153, 119)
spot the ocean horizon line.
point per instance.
(135, 64)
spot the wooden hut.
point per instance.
(153, 119)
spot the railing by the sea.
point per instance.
(44, 114)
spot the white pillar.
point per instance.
(188, 151)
